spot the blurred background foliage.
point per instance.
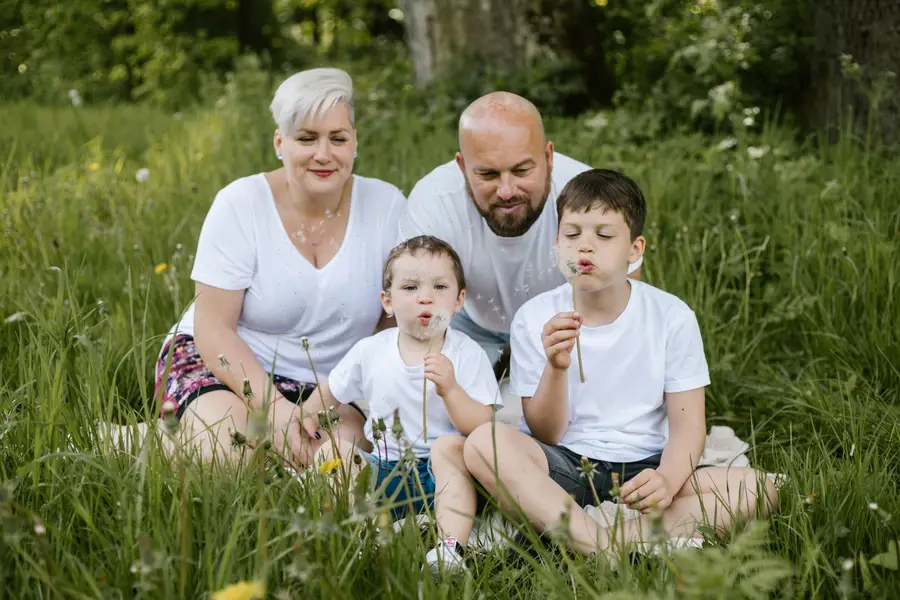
(707, 65)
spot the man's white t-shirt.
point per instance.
(618, 413)
(502, 273)
(373, 370)
(243, 245)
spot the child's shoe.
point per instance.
(447, 557)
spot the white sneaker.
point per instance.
(445, 557)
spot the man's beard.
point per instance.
(508, 224)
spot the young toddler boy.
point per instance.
(423, 287)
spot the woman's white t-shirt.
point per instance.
(374, 370)
(243, 245)
(618, 414)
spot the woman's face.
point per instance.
(318, 157)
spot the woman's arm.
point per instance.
(216, 313)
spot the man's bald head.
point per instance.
(498, 111)
(506, 161)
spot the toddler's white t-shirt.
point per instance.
(618, 414)
(243, 245)
(502, 273)
(375, 371)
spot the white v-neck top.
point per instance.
(243, 245)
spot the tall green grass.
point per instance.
(790, 261)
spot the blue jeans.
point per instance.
(493, 342)
(402, 491)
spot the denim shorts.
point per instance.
(402, 490)
(565, 469)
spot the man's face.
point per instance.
(507, 168)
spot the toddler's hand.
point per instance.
(439, 370)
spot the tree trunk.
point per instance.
(869, 32)
(443, 35)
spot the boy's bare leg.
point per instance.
(455, 496)
(713, 497)
(524, 484)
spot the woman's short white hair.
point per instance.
(309, 94)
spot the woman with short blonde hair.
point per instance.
(287, 274)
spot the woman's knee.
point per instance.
(214, 411)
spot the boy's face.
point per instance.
(424, 287)
(595, 248)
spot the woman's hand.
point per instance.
(287, 431)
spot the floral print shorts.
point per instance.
(188, 377)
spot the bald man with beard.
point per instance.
(496, 205)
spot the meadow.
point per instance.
(787, 250)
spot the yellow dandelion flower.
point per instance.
(600, 2)
(160, 268)
(244, 590)
(329, 465)
(93, 166)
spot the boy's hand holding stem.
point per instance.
(559, 336)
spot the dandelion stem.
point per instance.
(328, 424)
(424, 400)
(577, 338)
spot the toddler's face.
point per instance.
(595, 248)
(424, 294)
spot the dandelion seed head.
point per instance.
(142, 174)
(847, 564)
(873, 506)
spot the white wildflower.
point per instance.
(756, 153)
(598, 121)
(13, 318)
(726, 144)
(142, 174)
(75, 98)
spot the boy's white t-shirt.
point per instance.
(618, 414)
(243, 245)
(374, 370)
(501, 273)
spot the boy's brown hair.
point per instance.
(604, 188)
(422, 243)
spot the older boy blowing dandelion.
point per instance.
(423, 287)
(640, 414)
